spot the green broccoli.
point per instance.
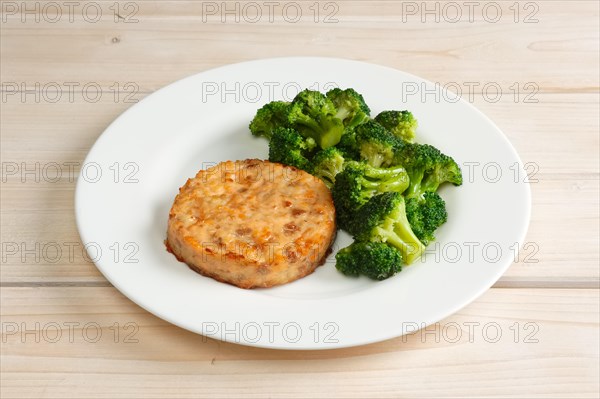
(427, 168)
(375, 260)
(445, 170)
(270, 116)
(350, 105)
(401, 124)
(359, 181)
(326, 164)
(426, 215)
(376, 145)
(383, 219)
(314, 115)
(348, 146)
(288, 147)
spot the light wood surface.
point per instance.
(554, 353)
(552, 301)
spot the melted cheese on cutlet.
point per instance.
(254, 210)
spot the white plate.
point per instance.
(134, 170)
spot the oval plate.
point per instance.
(132, 174)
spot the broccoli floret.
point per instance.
(270, 116)
(427, 168)
(350, 105)
(348, 145)
(313, 115)
(426, 215)
(383, 219)
(401, 124)
(376, 145)
(289, 147)
(358, 183)
(373, 259)
(445, 170)
(326, 164)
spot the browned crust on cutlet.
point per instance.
(252, 223)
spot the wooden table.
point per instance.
(57, 57)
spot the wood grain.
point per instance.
(177, 40)
(168, 361)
